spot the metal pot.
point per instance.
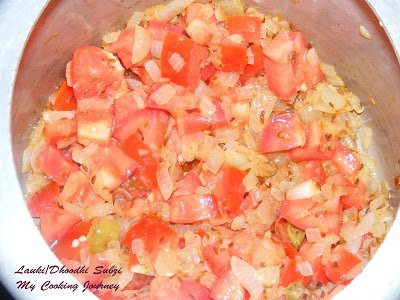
(38, 39)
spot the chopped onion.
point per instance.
(207, 107)
(170, 10)
(156, 48)
(305, 268)
(153, 69)
(26, 159)
(227, 79)
(137, 246)
(207, 147)
(269, 276)
(263, 103)
(166, 263)
(111, 37)
(236, 159)
(304, 190)
(141, 44)
(353, 243)
(98, 210)
(247, 276)
(199, 31)
(215, 160)
(164, 94)
(246, 92)
(365, 33)
(313, 235)
(203, 89)
(176, 62)
(366, 138)
(226, 135)
(365, 224)
(135, 20)
(50, 116)
(231, 7)
(165, 182)
(250, 181)
(250, 56)
(37, 149)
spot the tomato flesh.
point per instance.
(65, 98)
(345, 160)
(60, 130)
(234, 57)
(346, 261)
(313, 170)
(253, 70)
(247, 26)
(44, 200)
(193, 208)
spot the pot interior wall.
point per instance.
(370, 68)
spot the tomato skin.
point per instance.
(346, 262)
(189, 209)
(313, 170)
(253, 70)
(290, 274)
(234, 57)
(281, 232)
(123, 47)
(63, 249)
(346, 161)
(311, 149)
(229, 191)
(64, 98)
(287, 124)
(193, 56)
(154, 233)
(56, 223)
(60, 130)
(247, 26)
(159, 30)
(95, 71)
(44, 200)
(55, 164)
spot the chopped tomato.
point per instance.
(234, 57)
(188, 184)
(64, 98)
(283, 132)
(144, 76)
(356, 195)
(193, 208)
(208, 72)
(218, 259)
(154, 233)
(280, 78)
(193, 56)
(55, 164)
(227, 287)
(345, 160)
(44, 200)
(125, 106)
(312, 149)
(142, 155)
(123, 47)
(313, 170)
(162, 288)
(253, 70)
(289, 274)
(55, 223)
(64, 249)
(95, 71)
(319, 272)
(281, 232)
(336, 271)
(152, 124)
(229, 190)
(242, 246)
(195, 121)
(139, 281)
(247, 26)
(159, 29)
(60, 130)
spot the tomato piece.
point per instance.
(345, 262)
(281, 232)
(44, 200)
(345, 160)
(356, 196)
(208, 72)
(123, 47)
(253, 70)
(125, 106)
(162, 288)
(234, 57)
(283, 132)
(319, 272)
(242, 246)
(152, 124)
(63, 248)
(95, 71)
(247, 26)
(227, 287)
(290, 273)
(55, 164)
(159, 30)
(60, 130)
(312, 148)
(280, 78)
(154, 233)
(139, 281)
(229, 190)
(188, 184)
(313, 170)
(193, 56)
(55, 223)
(188, 209)
(64, 98)
(142, 155)
(195, 121)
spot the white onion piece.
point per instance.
(164, 94)
(141, 44)
(156, 48)
(26, 159)
(111, 37)
(172, 9)
(247, 276)
(313, 235)
(227, 79)
(304, 190)
(215, 159)
(269, 276)
(207, 107)
(164, 182)
(250, 181)
(250, 56)
(263, 103)
(153, 69)
(50, 116)
(203, 89)
(166, 264)
(353, 243)
(98, 210)
(176, 62)
(37, 149)
(305, 268)
(135, 20)
(246, 92)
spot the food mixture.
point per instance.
(205, 152)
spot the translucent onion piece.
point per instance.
(164, 94)
(175, 7)
(247, 276)
(141, 44)
(164, 182)
(304, 190)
